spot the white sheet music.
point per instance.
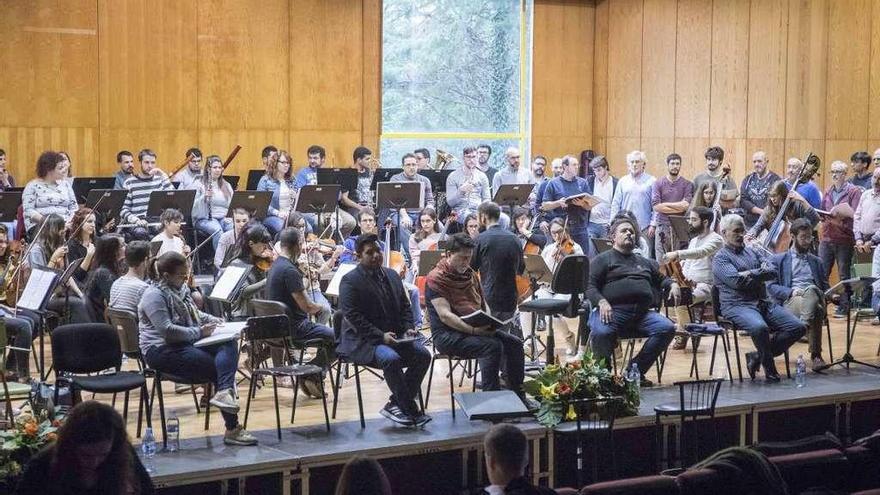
(336, 281)
(230, 330)
(228, 282)
(39, 284)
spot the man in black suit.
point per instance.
(800, 286)
(376, 312)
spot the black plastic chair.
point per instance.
(589, 425)
(569, 278)
(277, 328)
(263, 307)
(696, 400)
(80, 349)
(729, 327)
(452, 360)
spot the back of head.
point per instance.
(363, 476)
(506, 445)
(490, 210)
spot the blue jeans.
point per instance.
(773, 329)
(307, 330)
(405, 234)
(404, 385)
(630, 322)
(274, 224)
(213, 364)
(317, 297)
(581, 235)
(209, 226)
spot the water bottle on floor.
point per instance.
(800, 374)
(148, 447)
(172, 429)
(634, 376)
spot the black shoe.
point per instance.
(422, 419)
(772, 378)
(645, 383)
(753, 364)
(392, 412)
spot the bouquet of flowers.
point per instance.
(27, 436)
(586, 378)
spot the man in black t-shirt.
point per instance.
(285, 284)
(624, 287)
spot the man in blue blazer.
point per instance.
(377, 331)
(800, 285)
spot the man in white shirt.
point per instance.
(192, 172)
(696, 266)
(634, 194)
(512, 173)
(467, 187)
(603, 185)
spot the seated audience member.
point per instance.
(47, 194)
(170, 236)
(127, 290)
(800, 286)
(169, 325)
(109, 253)
(92, 455)
(139, 186)
(49, 250)
(363, 476)
(624, 287)
(240, 218)
(453, 291)
(213, 196)
(376, 314)
(507, 455)
(740, 273)
(285, 284)
(696, 266)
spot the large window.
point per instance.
(455, 73)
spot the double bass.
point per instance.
(778, 238)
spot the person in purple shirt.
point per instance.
(577, 212)
(670, 195)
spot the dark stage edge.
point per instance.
(305, 448)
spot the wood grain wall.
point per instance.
(95, 76)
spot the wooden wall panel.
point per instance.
(625, 67)
(616, 151)
(658, 69)
(371, 115)
(730, 63)
(600, 76)
(848, 66)
(692, 151)
(806, 80)
(24, 144)
(693, 68)
(874, 87)
(768, 51)
(774, 149)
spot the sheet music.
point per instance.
(333, 287)
(228, 282)
(39, 284)
(230, 330)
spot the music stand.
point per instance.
(82, 185)
(111, 201)
(345, 177)
(181, 200)
(680, 228)
(537, 271)
(849, 287)
(9, 203)
(226, 287)
(383, 175)
(253, 178)
(320, 199)
(437, 178)
(513, 195)
(397, 195)
(36, 294)
(233, 180)
(601, 245)
(255, 202)
(15, 189)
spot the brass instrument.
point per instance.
(442, 159)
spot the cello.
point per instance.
(778, 238)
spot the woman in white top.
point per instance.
(213, 195)
(47, 194)
(283, 188)
(553, 254)
(170, 235)
(426, 237)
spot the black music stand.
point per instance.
(397, 195)
(233, 180)
(181, 200)
(253, 178)
(601, 245)
(106, 202)
(320, 199)
(513, 195)
(537, 272)
(849, 287)
(9, 203)
(255, 202)
(37, 291)
(345, 177)
(437, 178)
(15, 189)
(82, 185)
(383, 175)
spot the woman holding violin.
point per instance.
(530, 239)
(170, 236)
(49, 250)
(254, 248)
(213, 196)
(279, 182)
(426, 237)
(80, 243)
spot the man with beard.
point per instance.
(755, 187)
(739, 273)
(484, 152)
(539, 177)
(670, 195)
(125, 160)
(192, 172)
(696, 266)
(623, 288)
(836, 244)
(714, 158)
(859, 162)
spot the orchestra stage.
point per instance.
(445, 456)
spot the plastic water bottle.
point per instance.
(634, 377)
(172, 430)
(800, 374)
(148, 447)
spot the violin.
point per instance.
(13, 285)
(264, 260)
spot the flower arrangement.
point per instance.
(27, 436)
(586, 378)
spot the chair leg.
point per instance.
(714, 351)
(337, 386)
(476, 372)
(324, 403)
(430, 377)
(830, 348)
(787, 365)
(739, 369)
(247, 407)
(277, 412)
(192, 389)
(158, 385)
(125, 409)
(295, 381)
(694, 362)
(726, 347)
(209, 388)
(451, 389)
(357, 384)
(141, 399)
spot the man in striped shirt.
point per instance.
(127, 290)
(139, 186)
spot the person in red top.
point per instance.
(836, 243)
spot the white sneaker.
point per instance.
(239, 436)
(225, 401)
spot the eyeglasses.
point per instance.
(283, 162)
